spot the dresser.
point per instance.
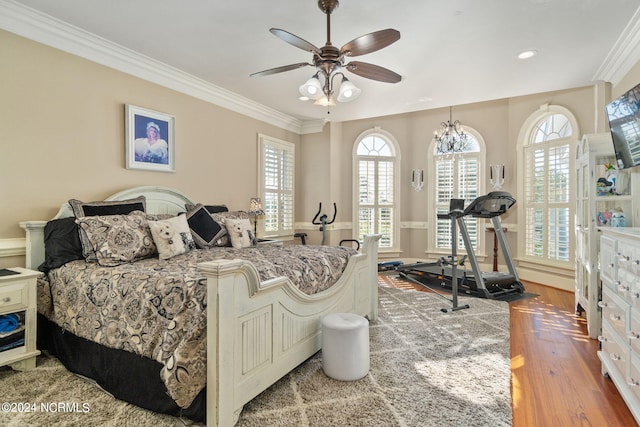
(620, 305)
(18, 300)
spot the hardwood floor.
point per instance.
(556, 379)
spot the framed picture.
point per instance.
(150, 140)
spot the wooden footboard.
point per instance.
(258, 332)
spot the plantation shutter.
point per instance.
(456, 179)
(548, 208)
(278, 175)
(376, 183)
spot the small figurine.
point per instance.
(604, 186)
(618, 218)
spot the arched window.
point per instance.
(376, 160)
(456, 176)
(548, 138)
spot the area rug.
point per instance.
(428, 368)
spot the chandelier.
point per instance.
(450, 139)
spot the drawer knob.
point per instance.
(602, 304)
(633, 383)
(602, 338)
(633, 335)
(614, 356)
(615, 317)
(6, 299)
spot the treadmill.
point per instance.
(481, 284)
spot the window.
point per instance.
(277, 177)
(376, 192)
(547, 181)
(456, 177)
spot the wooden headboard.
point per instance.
(159, 200)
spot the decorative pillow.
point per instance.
(61, 243)
(221, 218)
(117, 239)
(241, 233)
(205, 230)
(158, 217)
(172, 236)
(210, 208)
(120, 207)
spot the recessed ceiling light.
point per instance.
(420, 100)
(527, 54)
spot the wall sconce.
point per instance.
(496, 176)
(417, 179)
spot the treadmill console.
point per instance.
(488, 206)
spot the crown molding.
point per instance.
(624, 54)
(42, 28)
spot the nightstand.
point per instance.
(269, 242)
(18, 296)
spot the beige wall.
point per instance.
(62, 127)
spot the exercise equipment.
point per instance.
(479, 283)
(322, 221)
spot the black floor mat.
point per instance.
(507, 297)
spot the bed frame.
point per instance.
(256, 332)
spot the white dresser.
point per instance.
(620, 337)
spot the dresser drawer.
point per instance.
(14, 296)
(615, 349)
(615, 312)
(634, 332)
(633, 380)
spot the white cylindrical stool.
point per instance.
(345, 346)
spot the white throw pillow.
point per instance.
(172, 236)
(240, 232)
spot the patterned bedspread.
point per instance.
(157, 308)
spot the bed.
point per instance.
(256, 331)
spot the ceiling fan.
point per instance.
(329, 61)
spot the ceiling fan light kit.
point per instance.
(348, 91)
(329, 61)
(312, 88)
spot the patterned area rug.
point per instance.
(428, 368)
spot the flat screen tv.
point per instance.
(624, 120)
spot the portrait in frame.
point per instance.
(150, 140)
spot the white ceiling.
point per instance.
(451, 52)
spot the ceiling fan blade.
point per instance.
(280, 69)
(373, 72)
(294, 40)
(370, 42)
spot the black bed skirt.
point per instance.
(129, 377)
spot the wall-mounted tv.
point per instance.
(624, 120)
